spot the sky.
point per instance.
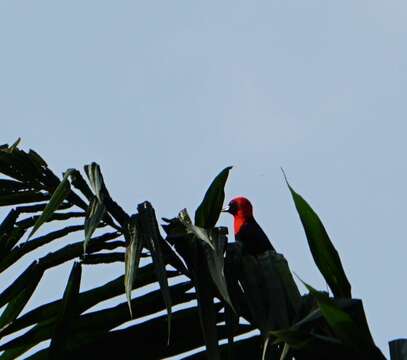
(163, 95)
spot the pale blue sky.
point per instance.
(164, 94)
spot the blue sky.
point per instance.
(163, 95)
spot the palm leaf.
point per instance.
(67, 315)
(132, 258)
(55, 201)
(323, 251)
(207, 213)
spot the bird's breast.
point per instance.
(251, 235)
(238, 223)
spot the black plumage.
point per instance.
(252, 237)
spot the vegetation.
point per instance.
(208, 290)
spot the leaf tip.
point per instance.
(285, 176)
(15, 145)
(130, 310)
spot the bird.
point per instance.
(246, 229)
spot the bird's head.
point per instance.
(239, 207)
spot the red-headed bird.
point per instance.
(247, 231)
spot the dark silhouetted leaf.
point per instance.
(101, 321)
(87, 299)
(398, 349)
(15, 145)
(11, 186)
(22, 197)
(197, 263)
(132, 257)
(14, 353)
(109, 318)
(215, 261)
(18, 302)
(36, 158)
(68, 313)
(209, 210)
(207, 317)
(38, 333)
(56, 200)
(98, 185)
(94, 216)
(232, 325)
(294, 338)
(351, 333)
(40, 207)
(29, 275)
(246, 348)
(198, 232)
(292, 293)
(73, 250)
(143, 337)
(8, 223)
(22, 249)
(18, 165)
(265, 291)
(95, 179)
(30, 221)
(79, 183)
(94, 259)
(323, 251)
(153, 240)
(7, 228)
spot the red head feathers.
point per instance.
(247, 231)
(242, 211)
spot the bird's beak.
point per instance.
(226, 209)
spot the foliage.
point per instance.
(208, 290)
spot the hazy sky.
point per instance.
(164, 94)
